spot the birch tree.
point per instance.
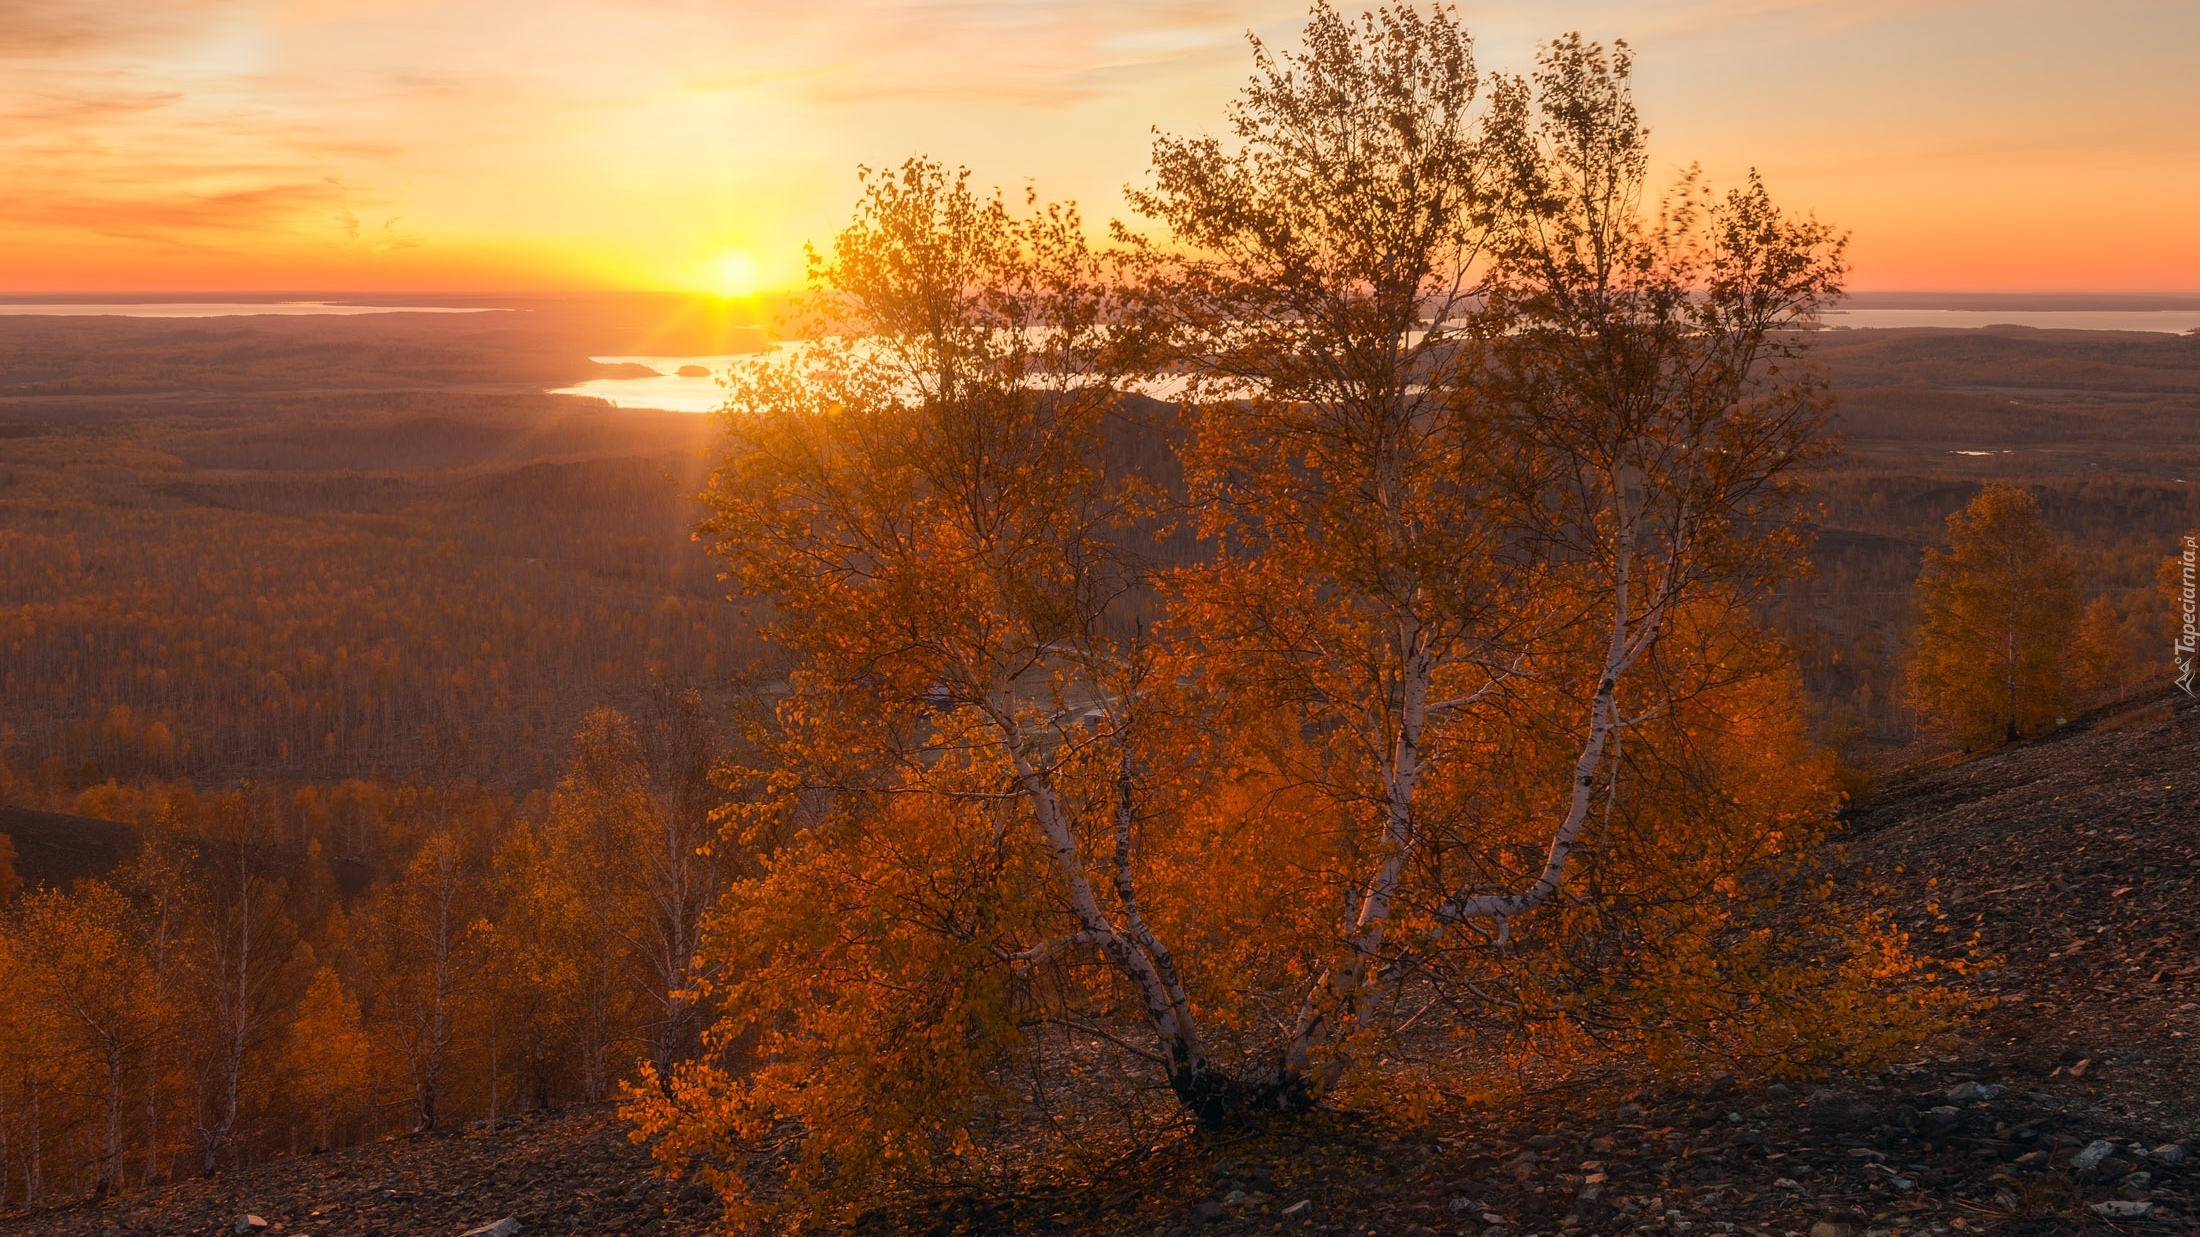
(1999, 611)
(927, 502)
(31, 1045)
(422, 948)
(243, 971)
(81, 960)
(1488, 456)
(1647, 371)
(329, 1059)
(1324, 300)
(600, 823)
(164, 887)
(1459, 403)
(535, 969)
(683, 871)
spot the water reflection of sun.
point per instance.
(732, 273)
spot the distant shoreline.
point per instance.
(2032, 302)
(223, 309)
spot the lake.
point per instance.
(669, 390)
(2160, 321)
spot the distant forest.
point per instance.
(371, 573)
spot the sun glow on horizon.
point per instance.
(732, 274)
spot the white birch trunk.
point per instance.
(1630, 637)
(1132, 947)
(1340, 997)
(110, 1156)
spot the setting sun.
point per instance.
(733, 273)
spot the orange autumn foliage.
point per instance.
(2000, 611)
(271, 971)
(1065, 833)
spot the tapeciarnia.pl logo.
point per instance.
(2188, 636)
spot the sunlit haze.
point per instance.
(235, 145)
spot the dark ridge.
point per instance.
(56, 850)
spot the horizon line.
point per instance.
(119, 295)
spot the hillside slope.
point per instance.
(2075, 861)
(570, 1173)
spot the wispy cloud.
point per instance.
(1027, 54)
(77, 108)
(57, 27)
(1047, 53)
(189, 221)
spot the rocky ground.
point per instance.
(2070, 1105)
(573, 1172)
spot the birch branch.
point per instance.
(1620, 653)
(1046, 949)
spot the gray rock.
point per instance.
(506, 1227)
(1829, 1110)
(1208, 1209)
(1302, 1207)
(1941, 1120)
(2169, 1153)
(1463, 1204)
(2124, 1209)
(1973, 1093)
(2090, 1158)
(248, 1224)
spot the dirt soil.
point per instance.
(2070, 1105)
(571, 1172)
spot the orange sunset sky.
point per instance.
(695, 144)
